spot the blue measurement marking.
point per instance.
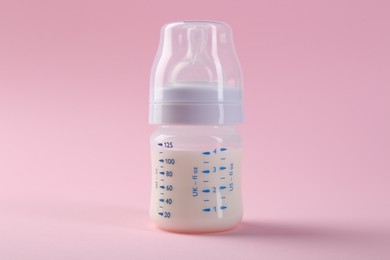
(223, 149)
(223, 158)
(207, 209)
(222, 187)
(223, 207)
(205, 181)
(222, 168)
(206, 153)
(162, 173)
(206, 171)
(162, 200)
(161, 160)
(206, 200)
(222, 178)
(206, 162)
(162, 187)
(160, 213)
(206, 190)
(160, 144)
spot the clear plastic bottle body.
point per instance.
(196, 182)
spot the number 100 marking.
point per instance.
(170, 161)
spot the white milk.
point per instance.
(196, 191)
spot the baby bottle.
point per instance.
(196, 100)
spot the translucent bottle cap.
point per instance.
(196, 77)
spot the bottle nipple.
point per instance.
(196, 66)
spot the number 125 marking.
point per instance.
(168, 144)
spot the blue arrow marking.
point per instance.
(162, 187)
(161, 160)
(223, 149)
(160, 144)
(206, 153)
(222, 168)
(160, 213)
(223, 207)
(206, 190)
(162, 173)
(162, 200)
(207, 209)
(206, 171)
(222, 187)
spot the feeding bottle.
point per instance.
(196, 101)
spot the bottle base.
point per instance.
(196, 231)
(193, 226)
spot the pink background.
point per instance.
(74, 152)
